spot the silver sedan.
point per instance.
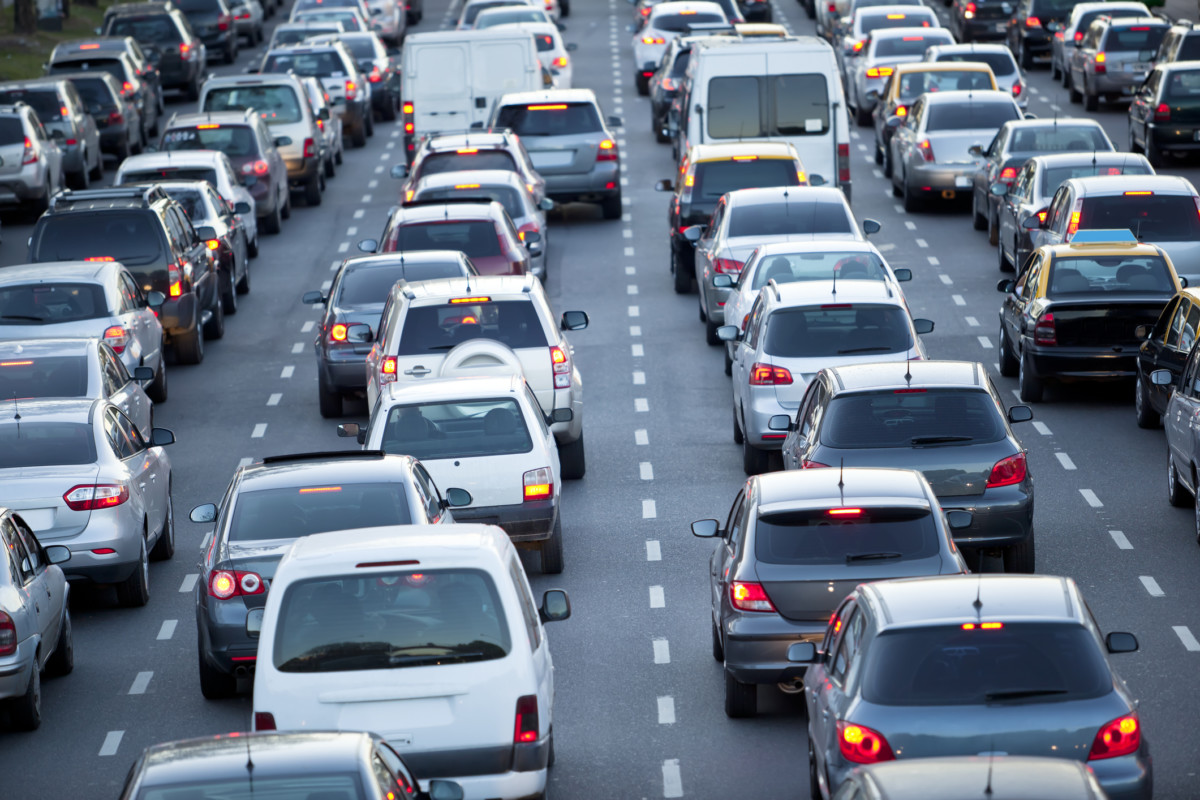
(887, 48)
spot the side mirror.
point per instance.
(1006, 286)
(203, 513)
(546, 204)
(254, 621)
(903, 275)
(894, 121)
(693, 233)
(615, 121)
(313, 297)
(561, 28)
(976, 150)
(477, 126)
(706, 528)
(1020, 414)
(1053, 26)
(999, 189)
(242, 207)
(870, 226)
(349, 430)
(574, 320)
(556, 606)
(722, 281)
(143, 374)
(368, 245)
(561, 415)
(779, 422)
(359, 333)
(727, 333)
(155, 299)
(457, 498)
(1142, 332)
(1161, 377)
(161, 437)
(664, 185)
(1183, 282)
(923, 326)
(57, 553)
(58, 135)
(1032, 223)
(532, 237)
(1121, 642)
(959, 519)
(571, 47)
(445, 790)
(816, 180)
(802, 652)
(206, 232)
(399, 171)
(873, 95)
(283, 141)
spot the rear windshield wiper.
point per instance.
(875, 349)
(23, 318)
(871, 557)
(940, 439)
(1019, 694)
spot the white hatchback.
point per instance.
(430, 639)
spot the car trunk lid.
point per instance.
(803, 600)
(36, 493)
(1109, 323)
(952, 147)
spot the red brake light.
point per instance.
(769, 375)
(901, 111)
(310, 148)
(526, 728)
(8, 635)
(174, 280)
(862, 745)
(1099, 66)
(126, 87)
(607, 151)
(30, 155)
(115, 118)
(844, 512)
(1120, 737)
(747, 596)
(882, 72)
(337, 333)
(653, 40)
(264, 721)
(560, 62)
(116, 337)
(1008, 173)
(813, 465)
(1073, 225)
(223, 22)
(387, 370)
(92, 497)
(925, 148)
(1078, 36)
(1017, 89)
(969, 11)
(89, 47)
(1033, 22)
(258, 167)
(351, 90)
(843, 163)
(407, 108)
(560, 363)
(728, 266)
(225, 583)
(538, 484)
(1008, 471)
(185, 52)
(376, 76)
(213, 244)
(1044, 331)
(1162, 113)
(1041, 215)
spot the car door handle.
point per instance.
(418, 371)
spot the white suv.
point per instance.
(425, 323)
(426, 635)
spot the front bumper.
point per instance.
(602, 181)
(527, 522)
(756, 646)
(1083, 362)
(1001, 516)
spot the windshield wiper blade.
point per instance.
(871, 557)
(876, 349)
(1018, 694)
(24, 318)
(939, 439)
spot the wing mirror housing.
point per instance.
(976, 150)
(923, 326)
(706, 529)
(999, 189)
(722, 281)
(532, 238)
(283, 141)
(368, 245)
(457, 498)
(1032, 223)
(816, 180)
(161, 437)
(561, 415)
(202, 514)
(664, 185)
(242, 207)
(1161, 377)
(894, 121)
(958, 519)
(780, 422)
(143, 374)
(556, 606)
(206, 232)
(314, 297)
(399, 171)
(574, 320)
(802, 653)
(1006, 285)
(1121, 642)
(727, 333)
(352, 430)
(870, 226)
(903, 274)
(359, 333)
(1020, 414)
(1142, 332)
(546, 204)
(155, 299)
(694, 233)
(57, 553)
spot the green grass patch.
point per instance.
(22, 57)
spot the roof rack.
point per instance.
(467, 132)
(147, 194)
(323, 456)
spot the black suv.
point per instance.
(1032, 26)
(148, 232)
(166, 39)
(212, 20)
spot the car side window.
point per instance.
(735, 516)
(136, 442)
(383, 775)
(528, 610)
(430, 494)
(537, 410)
(1170, 322)
(1187, 336)
(1056, 214)
(32, 547)
(131, 297)
(111, 377)
(714, 224)
(1190, 386)
(117, 438)
(818, 408)
(804, 417)
(1029, 281)
(174, 232)
(834, 628)
(752, 324)
(22, 569)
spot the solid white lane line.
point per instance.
(1122, 542)
(649, 510)
(189, 582)
(637, 350)
(639, 377)
(167, 630)
(631, 289)
(287, 371)
(672, 782)
(141, 682)
(657, 598)
(308, 326)
(1041, 427)
(1152, 587)
(635, 330)
(1091, 498)
(260, 430)
(1065, 460)
(1185, 636)
(985, 342)
(972, 322)
(298, 347)
(946, 279)
(641, 405)
(666, 710)
(662, 652)
(653, 550)
(112, 740)
(646, 471)
(958, 299)
(634, 310)
(640, 437)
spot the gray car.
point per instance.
(31, 164)
(1002, 777)
(885, 49)
(1076, 25)
(793, 545)
(1113, 58)
(65, 116)
(951, 666)
(940, 417)
(570, 143)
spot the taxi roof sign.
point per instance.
(1104, 236)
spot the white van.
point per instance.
(451, 78)
(783, 89)
(426, 635)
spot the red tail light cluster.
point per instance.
(1120, 737)
(1033, 22)
(226, 583)
(116, 337)
(93, 497)
(8, 635)
(538, 484)
(728, 266)
(223, 22)
(862, 745)
(813, 465)
(407, 109)
(1008, 174)
(1044, 330)
(376, 76)
(747, 596)
(525, 729)
(560, 363)
(337, 333)
(30, 155)
(1162, 113)
(925, 148)
(351, 90)
(969, 11)
(1100, 66)
(186, 52)
(175, 280)
(258, 167)
(264, 721)
(560, 62)
(1008, 471)
(607, 151)
(843, 163)
(387, 370)
(115, 118)
(762, 374)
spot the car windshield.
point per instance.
(914, 84)
(1152, 217)
(460, 429)
(390, 620)
(11, 131)
(293, 511)
(678, 23)
(972, 116)
(908, 45)
(275, 104)
(1135, 39)
(469, 158)
(321, 64)
(550, 119)
(476, 238)
(544, 42)
(845, 536)
(1098, 275)
(156, 174)
(48, 303)
(1017, 662)
(1052, 177)
(45, 102)
(236, 141)
(912, 417)
(157, 29)
(309, 784)
(844, 265)
(474, 10)
(112, 66)
(43, 376)
(1002, 64)
(369, 286)
(439, 328)
(711, 179)
(841, 329)
(506, 196)
(779, 218)
(192, 202)
(1059, 138)
(45, 444)
(128, 237)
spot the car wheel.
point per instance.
(710, 333)
(1055, 72)
(887, 161)
(134, 591)
(1145, 414)
(741, 699)
(98, 170)
(552, 551)
(1025, 59)
(978, 221)
(728, 362)
(754, 461)
(359, 137)
(330, 400)
(369, 121)
(737, 429)
(1091, 101)
(189, 348)
(340, 154)
(1197, 517)
(1072, 93)
(330, 169)
(252, 252)
(611, 206)
(1004, 263)
(993, 228)
(1176, 494)
(1154, 154)
(157, 390)
(25, 712)
(1029, 385)
(878, 154)
(572, 461)
(274, 223)
(814, 785)
(389, 110)
(81, 179)
(62, 660)
(215, 327)
(1009, 365)
(164, 548)
(229, 301)
(683, 275)
(718, 648)
(214, 684)
(642, 83)
(1019, 558)
(1134, 147)
(286, 212)
(896, 190)
(910, 200)
(312, 190)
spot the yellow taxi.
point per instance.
(769, 30)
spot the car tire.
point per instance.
(611, 206)
(229, 303)
(683, 275)
(814, 785)
(754, 461)
(134, 591)
(157, 389)
(1019, 558)
(1091, 101)
(552, 551)
(1025, 59)
(993, 228)
(978, 221)
(738, 438)
(312, 190)
(1143, 412)
(863, 118)
(741, 699)
(330, 169)
(215, 327)
(214, 684)
(728, 362)
(642, 84)
(1055, 72)
(1009, 365)
(887, 162)
(359, 137)
(572, 460)
(25, 712)
(252, 252)
(389, 110)
(98, 172)
(710, 333)
(718, 649)
(1030, 386)
(1177, 495)
(164, 548)
(286, 211)
(369, 119)
(273, 224)
(878, 154)
(193, 90)
(911, 203)
(189, 349)
(1073, 94)
(230, 53)
(1134, 147)
(339, 156)
(1154, 154)
(1003, 261)
(1196, 514)
(62, 660)
(329, 400)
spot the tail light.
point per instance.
(1078, 36)
(1033, 22)
(762, 374)
(645, 11)
(667, 84)
(858, 46)
(1120, 737)
(258, 167)
(607, 151)
(223, 22)
(351, 90)
(407, 109)
(30, 155)
(337, 333)
(8, 635)
(901, 111)
(116, 337)
(246, 15)
(747, 596)
(126, 87)
(1008, 174)
(320, 124)
(969, 12)
(310, 148)
(95, 496)
(264, 721)
(387, 370)
(879, 72)
(813, 465)
(538, 484)
(376, 76)
(925, 148)
(175, 280)
(72, 142)
(1100, 67)
(528, 227)
(843, 163)
(226, 583)
(560, 62)
(728, 266)
(186, 52)
(213, 244)
(1076, 213)
(1162, 113)
(689, 182)
(832, 8)
(560, 363)
(525, 729)
(1008, 471)
(862, 745)
(1044, 331)
(115, 118)
(653, 40)
(1017, 88)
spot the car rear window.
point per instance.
(293, 511)
(771, 219)
(1184, 84)
(908, 19)
(476, 238)
(128, 237)
(45, 444)
(798, 105)
(1052, 177)
(94, 92)
(949, 665)
(275, 104)
(462, 429)
(1058, 8)
(678, 23)
(847, 265)
(198, 5)
(293, 35)
(368, 286)
(390, 620)
(845, 536)
(504, 195)
(11, 131)
(711, 179)
(1059, 138)
(837, 329)
(1002, 64)
(1189, 50)
(1134, 39)
(322, 784)
(912, 418)
(473, 11)
(544, 42)
(45, 102)
(439, 328)
(909, 45)
(157, 29)
(349, 20)
(236, 141)
(1152, 218)
(41, 303)
(112, 66)
(510, 15)
(44, 376)
(469, 159)
(914, 84)
(319, 64)
(170, 174)
(972, 116)
(1099, 275)
(550, 119)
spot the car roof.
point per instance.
(351, 466)
(853, 377)
(457, 388)
(435, 546)
(805, 293)
(964, 96)
(898, 33)
(44, 82)
(549, 96)
(446, 211)
(775, 194)
(256, 79)
(483, 177)
(971, 47)
(1101, 157)
(439, 289)
(174, 158)
(242, 117)
(272, 753)
(62, 346)
(1096, 185)
(954, 599)
(53, 409)
(763, 148)
(997, 778)
(1133, 20)
(453, 141)
(406, 256)
(834, 488)
(1172, 66)
(56, 272)
(1054, 123)
(871, 11)
(817, 246)
(1132, 249)
(939, 66)
(676, 6)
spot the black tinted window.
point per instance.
(192, 6)
(11, 131)
(1059, 138)
(1138, 38)
(236, 141)
(947, 665)
(321, 784)
(45, 444)
(1153, 217)
(40, 303)
(711, 179)
(147, 30)
(46, 376)
(457, 430)
(912, 418)
(678, 23)
(1189, 50)
(473, 11)
(550, 119)
(435, 328)
(275, 104)
(504, 195)
(94, 92)
(192, 202)
(1100, 275)
(679, 67)
(1058, 8)
(390, 621)
(370, 285)
(45, 102)
(792, 216)
(837, 330)
(733, 109)
(837, 536)
(1001, 63)
(130, 238)
(155, 175)
(110, 65)
(476, 238)
(437, 163)
(908, 45)
(956, 117)
(304, 510)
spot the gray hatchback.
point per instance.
(794, 545)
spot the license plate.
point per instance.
(1000, 27)
(1137, 67)
(962, 182)
(552, 158)
(1196, 136)
(40, 519)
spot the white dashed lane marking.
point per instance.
(1041, 427)
(641, 404)
(672, 782)
(1123, 543)
(640, 437)
(167, 630)
(1152, 587)
(308, 326)
(649, 509)
(639, 377)
(260, 430)
(646, 471)
(666, 711)
(653, 550)
(1091, 498)
(298, 347)
(984, 342)
(662, 652)
(1065, 460)
(189, 582)
(112, 740)
(287, 371)
(946, 279)
(958, 299)
(635, 330)
(657, 598)
(141, 682)
(274, 399)
(637, 350)
(1185, 636)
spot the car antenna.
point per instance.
(978, 604)
(841, 481)
(249, 768)
(987, 790)
(908, 369)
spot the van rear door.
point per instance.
(438, 86)
(800, 95)
(499, 66)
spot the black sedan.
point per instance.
(1166, 347)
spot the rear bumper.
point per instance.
(345, 372)
(1127, 777)
(1117, 82)
(222, 631)
(179, 316)
(113, 138)
(603, 181)
(16, 669)
(984, 29)
(1177, 138)
(1001, 516)
(759, 405)
(756, 646)
(936, 178)
(301, 170)
(527, 522)
(103, 531)
(1037, 42)
(25, 185)
(1083, 362)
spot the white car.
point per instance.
(551, 51)
(997, 56)
(667, 21)
(473, 8)
(510, 15)
(487, 435)
(426, 635)
(248, 20)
